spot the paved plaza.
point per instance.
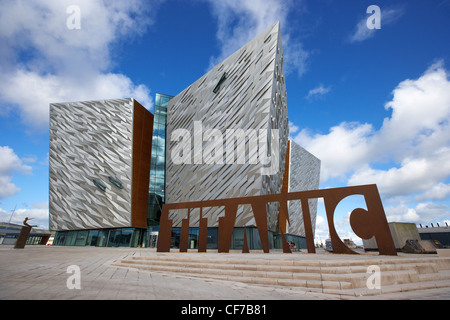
(46, 273)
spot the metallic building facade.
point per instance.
(227, 133)
(304, 174)
(99, 163)
(112, 164)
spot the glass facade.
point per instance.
(122, 237)
(132, 237)
(158, 163)
(237, 240)
(137, 237)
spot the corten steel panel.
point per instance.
(252, 97)
(283, 217)
(365, 223)
(142, 147)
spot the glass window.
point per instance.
(159, 183)
(114, 237)
(175, 238)
(137, 238)
(193, 238)
(125, 237)
(163, 136)
(99, 185)
(102, 238)
(60, 238)
(81, 237)
(160, 149)
(238, 238)
(153, 159)
(160, 161)
(163, 113)
(71, 237)
(164, 101)
(92, 238)
(253, 238)
(211, 238)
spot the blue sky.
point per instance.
(373, 105)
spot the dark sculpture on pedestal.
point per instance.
(24, 233)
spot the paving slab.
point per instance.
(39, 272)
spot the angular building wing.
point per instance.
(304, 174)
(227, 133)
(99, 162)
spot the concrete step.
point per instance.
(421, 266)
(390, 288)
(442, 263)
(344, 277)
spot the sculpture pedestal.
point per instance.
(23, 237)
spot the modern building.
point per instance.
(158, 160)
(304, 174)
(9, 233)
(437, 233)
(99, 163)
(224, 136)
(227, 136)
(156, 195)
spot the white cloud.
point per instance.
(414, 175)
(343, 149)
(361, 32)
(422, 213)
(44, 89)
(318, 91)
(401, 213)
(292, 129)
(321, 232)
(440, 191)
(296, 57)
(10, 163)
(39, 216)
(407, 157)
(51, 63)
(241, 21)
(415, 138)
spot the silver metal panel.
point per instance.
(304, 174)
(252, 97)
(90, 140)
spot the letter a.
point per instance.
(374, 280)
(181, 152)
(74, 20)
(74, 281)
(374, 21)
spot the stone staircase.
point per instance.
(347, 277)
